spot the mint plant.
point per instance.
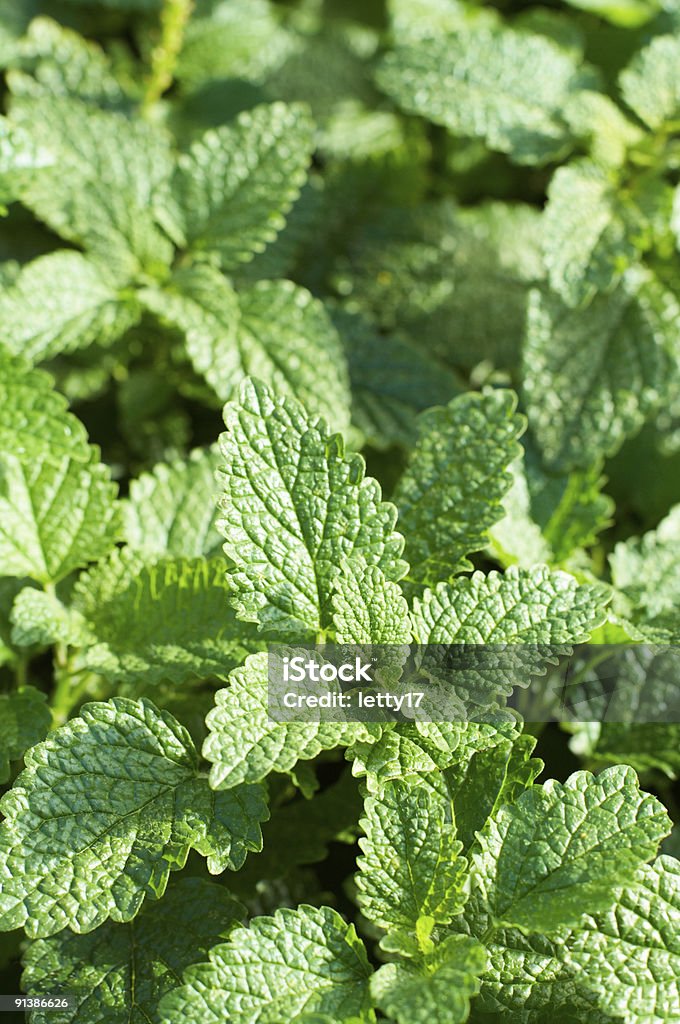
(348, 325)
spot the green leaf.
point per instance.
(24, 721)
(62, 302)
(411, 868)
(475, 84)
(630, 955)
(122, 971)
(109, 184)
(592, 376)
(299, 960)
(453, 485)
(56, 515)
(104, 810)
(274, 330)
(367, 609)
(34, 422)
(295, 506)
(527, 606)
(585, 242)
(646, 746)
(165, 621)
(438, 993)
(244, 744)
(404, 749)
(236, 184)
(645, 573)
(649, 84)
(40, 618)
(627, 13)
(564, 848)
(172, 511)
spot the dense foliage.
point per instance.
(426, 252)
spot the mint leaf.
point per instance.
(367, 609)
(56, 515)
(411, 872)
(585, 242)
(521, 606)
(61, 302)
(40, 618)
(269, 330)
(126, 969)
(104, 810)
(649, 85)
(439, 994)
(299, 960)
(244, 744)
(475, 84)
(24, 721)
(169, 620)
(562, 849)
(236, 184)
(294, 507)
(452, 488)
(171, 510)
(606, 368)
(644, 572)
(34, 422)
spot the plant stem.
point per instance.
(174, 17)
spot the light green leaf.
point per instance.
(104, 810)
(236, 184)
(627, 13)
(475, 83)
(109, 185)
(585, 246)
(645, 572)
(563, 849)
(404, 749)
(646, 746)
(56, 515)
(122, 971)
(61, 302)
(40, 618)
(172, 510)
(169, 620)
(526, 606)
(592, 376)
(295, 506)
(411, 868)
(437, 993)
(650, 84)
(24, 721)
(630, 955)
(367, 609)
(245, 744)
(453, 485)
(34, 422)
(299, 960)
(274, 330)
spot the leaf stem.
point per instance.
(174, 17)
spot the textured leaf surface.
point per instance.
(592, 376)
(475, 84)
(411, 866)
(24, 721)
(520, 606)
(244, 744)
(273, 330)
(584, 235)
(562, 849)
(59, 303)
(299, 960)
(438, 994)
(122, 971)
(295, 506)
(645, 572)
(169, 620)
(404, 749)
(56, 515)
(650, 83)
(104, 810)
(33, 417)
(452, 488)
(369, 610)
(172, 510)
(237, 183)
(39, 617)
